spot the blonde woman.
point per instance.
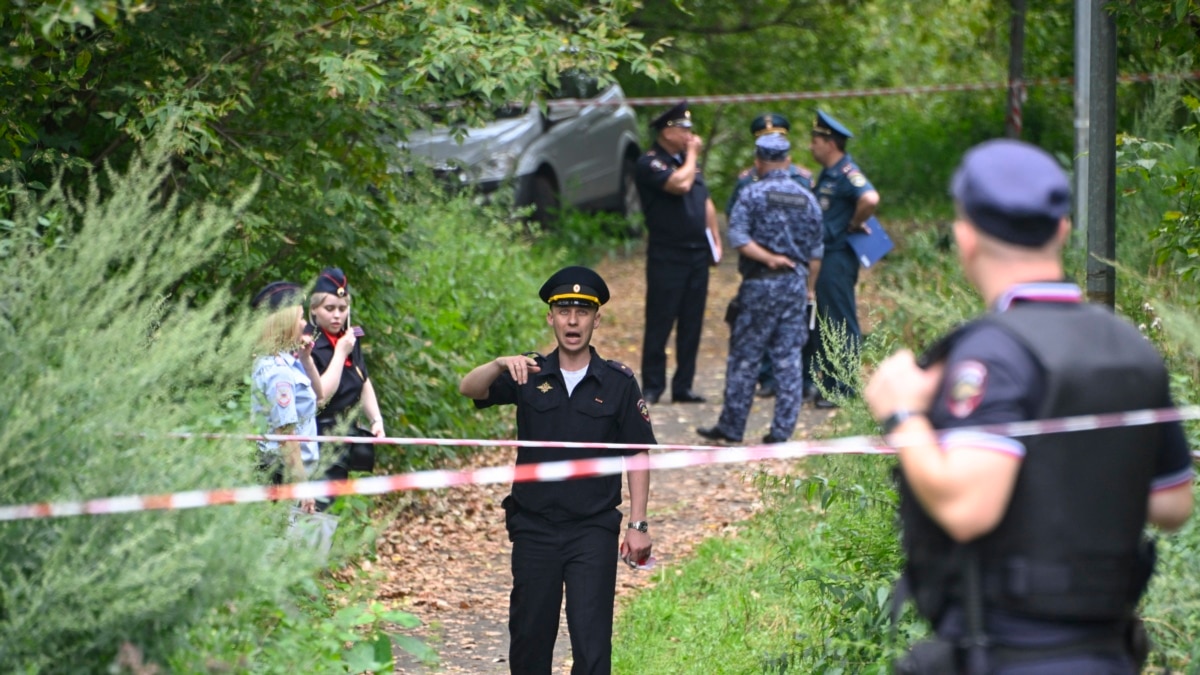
(287, 385)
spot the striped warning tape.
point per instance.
(854, 93)
(678, 456)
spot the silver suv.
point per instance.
(580, 155)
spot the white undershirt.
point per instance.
(572, 378)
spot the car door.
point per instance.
(585, 140)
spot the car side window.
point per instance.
(575, 83)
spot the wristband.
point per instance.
(897, 418)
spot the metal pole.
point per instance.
(1083, 95)
(1095, 185)
(1016, 69)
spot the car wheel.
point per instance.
(545, 200)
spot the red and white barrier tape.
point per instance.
(852, 93)
(682, 456)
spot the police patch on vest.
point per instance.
(968, 381)
(857, 179)
(283, 394)
(786, 200)
(643, 409)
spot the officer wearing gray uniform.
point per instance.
(765, 125)
(776, 228)
(1027, 555)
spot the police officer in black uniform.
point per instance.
(684, 242)
(1027, 555)
(344, 377)
(565, 532)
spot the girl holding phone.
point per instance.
(344, 378)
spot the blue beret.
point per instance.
(679, 116)
(826, 125)
(276, 295)
(1013, 191)
(578, 286)
(331, 280)
(770, 123)
(772, 148)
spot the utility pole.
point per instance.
(1016, 70)
(1096, 144)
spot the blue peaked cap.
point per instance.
(1014, 191)
(826, 125)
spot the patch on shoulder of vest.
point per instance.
(620, 368)
(968, 382)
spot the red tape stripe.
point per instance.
(680, 456)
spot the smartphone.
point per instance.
(358, 331)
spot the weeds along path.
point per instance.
(446, 559)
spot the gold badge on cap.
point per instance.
(341, 292)
(575, 288)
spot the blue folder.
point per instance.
(870, 247)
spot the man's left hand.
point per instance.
(636, 547)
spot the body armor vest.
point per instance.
(1070, 546)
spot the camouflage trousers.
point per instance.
(771, 321)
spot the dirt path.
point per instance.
(447, 560)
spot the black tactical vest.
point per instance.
(1070, 546)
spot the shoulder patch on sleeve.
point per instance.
(968, 382)
(643, 409)
(283, 394)
(620, 368)
(658, 165)
(857, 179)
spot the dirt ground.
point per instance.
(447, 560)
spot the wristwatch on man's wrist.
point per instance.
(897, 418)
(639, 525)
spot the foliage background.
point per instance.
(301, 104)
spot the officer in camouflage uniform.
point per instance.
(764, 125)
(776, 228)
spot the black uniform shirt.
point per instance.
(605, 407)
(677, 221)
(354, 375)
(990, 378)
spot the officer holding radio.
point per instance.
(1027, 555)
(565, 533)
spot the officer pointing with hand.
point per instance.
(1027, 555)
(565, 533)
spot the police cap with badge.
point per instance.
(277, 295)
(770, 123)
(826, 125)
(574, 286)
(332, 280)
(678, 116)
(772, 148)
(1013, 191)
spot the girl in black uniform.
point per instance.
(344, 378)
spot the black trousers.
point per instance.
(580, 554)
(676, 291)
